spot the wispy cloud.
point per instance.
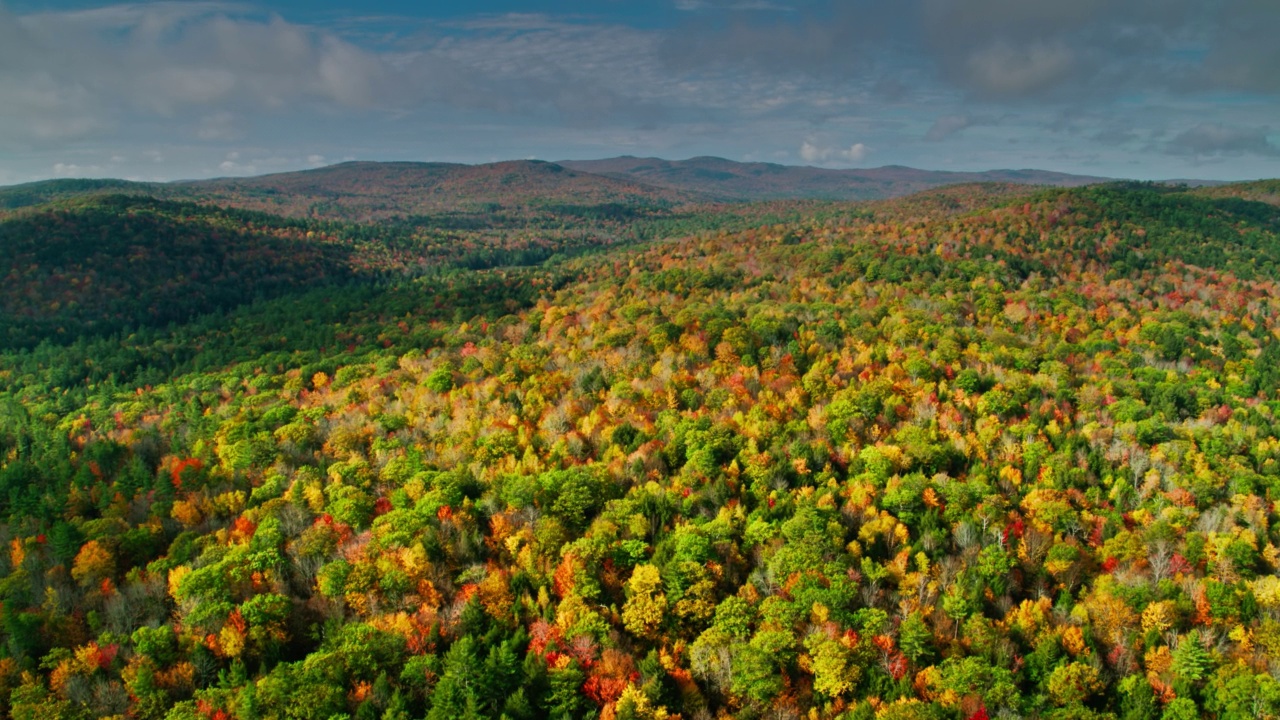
(1215, 140)
(736, 5)
(948, 126)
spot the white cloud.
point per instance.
(75, 74)
(233, 166)
(823, 155)
(72, 170)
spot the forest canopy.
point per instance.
(982, 452)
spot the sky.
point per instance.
(1147, 89)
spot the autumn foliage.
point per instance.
(954, 456)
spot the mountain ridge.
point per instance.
(368, 190)
(772, 181)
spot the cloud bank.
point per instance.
(1167, 86)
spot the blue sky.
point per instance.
(200, 88)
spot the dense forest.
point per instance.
(982, 452)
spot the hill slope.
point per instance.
(100, 264)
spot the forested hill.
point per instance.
(972, 454)
(47, 191)
(1122, 229)
(99, 265)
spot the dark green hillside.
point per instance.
(39, 193)
(95, 266)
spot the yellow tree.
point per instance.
(642, 615)
(93, 563)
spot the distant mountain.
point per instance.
(367, 191)
(729, 180)
(372, 190)
(362, 191)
